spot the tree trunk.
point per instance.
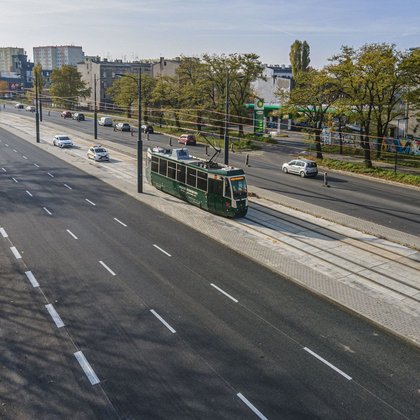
(366, 148)
(199, 122)
(318, 148)
(177, 123)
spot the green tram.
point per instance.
(217, 188)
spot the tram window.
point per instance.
(202, 180)
(215, 186)
(180, 173)
(162, 166)
(171, 170)
(191, 177)
(155, 164)
(227, 187)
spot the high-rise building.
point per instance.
(6, 58)
(55, 57)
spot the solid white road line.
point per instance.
(328, 363)
(14, 179)
(162, 250)
(4, 170)
(87, 368)
(54, 315)
(51, 175)
(3, 233)
(163, 321)
(119, 221)
(15, 252)
(36, 165)
(105, 266)
(72, 234)
(222, 291)
(30, 195)
(252, 407)
(70, 188)
(32, 278)
(90, 202)
(24, 157)
(47, 211)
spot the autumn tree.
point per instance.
(67, 86)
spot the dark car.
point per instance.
(148, 129)
(66, 114)
(122, 127)
(78, 116)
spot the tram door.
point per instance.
(215, 200)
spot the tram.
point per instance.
(217, 188)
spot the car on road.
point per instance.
(148, 129)
(61, 140)
(106, 121)
(78, 116)
(98, 153)
(19, 106)
(122, 127)
(302, 167)
(66, 114)
(30, 108)
(188, 139)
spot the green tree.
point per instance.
(313, 96)
(67, 86)
(299, 57)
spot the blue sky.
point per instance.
(131, 29)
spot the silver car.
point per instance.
(98, 153)
(302, 167)
(62, 140)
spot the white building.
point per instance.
(54, 57)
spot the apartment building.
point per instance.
(55, 57)
(6, 58)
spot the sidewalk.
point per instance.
(391, 312)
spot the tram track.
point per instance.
(292, 228)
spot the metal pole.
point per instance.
(226, 137)
(139, 140)
(95, 114)
(36, 107)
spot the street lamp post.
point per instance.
(36, 107)
(226, 134)
(397, 144)
(139, 139)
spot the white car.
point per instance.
(19, 106)
(30, 108)
(98, 153)
(302, 167)
(61, 140)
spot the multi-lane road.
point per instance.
(386, 204)
(170, 323)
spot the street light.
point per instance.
(397, 143)
(226, 135)
(36, 107)
(139, 139)
(95, 110)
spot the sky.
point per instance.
(148, 29)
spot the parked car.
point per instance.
(61, 140)
(98, 153)
(122, 127)
(187, 139)
(66, 114)
(302, 167)
(106, 121)
(19, 106)
(148, 129)
(78, 116)
(30, 108)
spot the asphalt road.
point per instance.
(383, 203)
(173, 324)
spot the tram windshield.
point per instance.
(239, 187)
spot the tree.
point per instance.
(37, 76)
(299, 57)
(4, 87)
(67, 86)
(313, 96)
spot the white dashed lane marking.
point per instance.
(162, 321)
(87, 368)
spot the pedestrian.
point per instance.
(115, 128)
(147, 136)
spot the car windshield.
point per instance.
(64, 138)
(311, 165)
(100, 151)
(239, 187)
